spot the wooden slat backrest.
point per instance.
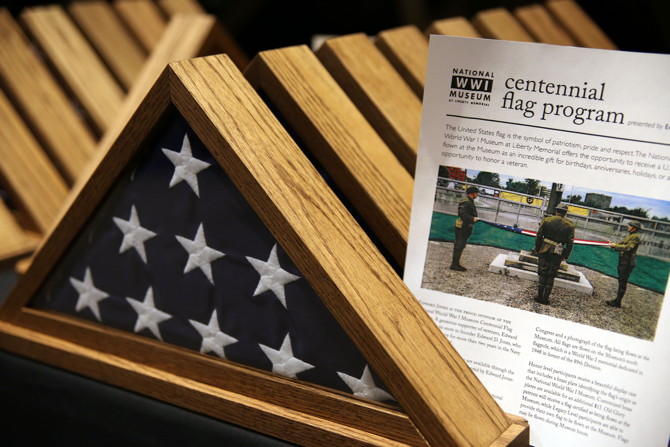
(41, 100)
(27, 173)
(453, 26)
(579, 25)
(339, 136)
(542, 26)
(407, 50)
(499, 23)
(378, 91)
(107, 33)
(14, 243)
(144, 18)
(99, 94)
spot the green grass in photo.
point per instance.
(650, 273)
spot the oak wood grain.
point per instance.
(381, 419)
(42, 102)
(386, 422)
(85, 195)
(144, 18)
(224, 41)
(107, 33)
(26, 172)
(172, 7)
(440, 394)
(80, 68)
(232, 406)
(453, 26)
(542, 26)
(516, 435)
(407, 50)
(186, 36)
(341, 139)
(238, 394)
(499, 23)
(429, 379)
(378, 91)
(14, 243)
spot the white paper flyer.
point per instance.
(537, 127)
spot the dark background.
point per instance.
(257, 25)
(264, 24)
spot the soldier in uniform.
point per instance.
(627, 249)
(553, 245)
(467, 216)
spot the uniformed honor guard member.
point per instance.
(553, 244)
(467, 216)
(627, 249)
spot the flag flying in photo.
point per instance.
(176, 253)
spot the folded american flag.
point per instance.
(175, 252)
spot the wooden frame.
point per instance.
(441, 396)
(542, 26)
(409, 54)
(499, 23)
(186, 36)
(144, 19)
(33, 182)
(378, 91)
(339, 136)
(38, 190)
(172, 7)
(15, 243)
(106, 31)
(81, 69)
(407, 50)
(453, 26)
(43, 103)
(224, 39)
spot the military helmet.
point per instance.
(635, 224)
(472, 189)
(561, 208)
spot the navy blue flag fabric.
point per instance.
(175, 253)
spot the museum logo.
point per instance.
(471, 86)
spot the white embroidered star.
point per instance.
(148, 316)
(365, 386)
(89, 295)
(199, 254)
(134, 235)
(283, 361)
(213, 340)
(273, 277)
(186, 167)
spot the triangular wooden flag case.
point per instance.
(47, 144)
(439, 400)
